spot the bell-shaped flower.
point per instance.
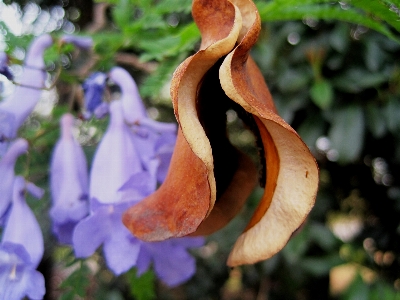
(68, 183)
(82, 42)
(7, 130)
(21, 226)
(4, 69)
(93, 89)
(114, 163)
(209, 179)
(18, 277)
(171, 260)
(154, 140)
(118, 179)
(27, 94)
(7, 175)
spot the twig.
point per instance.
(133, 60)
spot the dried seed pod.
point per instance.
(209, 179)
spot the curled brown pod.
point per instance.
(209, 180)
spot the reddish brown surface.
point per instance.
(179, 205)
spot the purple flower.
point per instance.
(4, 69)
(122, 251)
(132, 104)
(22, 102)
(118, 179)
(170, 258)
(22, 227)
(154, 140)
(68, 183)
(7, 175)
(93, 88)
(18, 277)
(104, 227)
(7, 130)
(115, 161)
(83, 42)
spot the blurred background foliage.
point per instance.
(333, 69)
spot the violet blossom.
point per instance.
(21, 248)
(4, 69)
(83, 42)
(154, 140)
(93, 88)
(18, 276)
(119, 179)
(21, 226)
(27, 94)
(7, 162)
(115, 162)
(68, 183)
(7, 130)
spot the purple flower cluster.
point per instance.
(130, 160)
(18, 106)
(86, 209)
(21, 244)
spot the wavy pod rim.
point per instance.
(291, 170)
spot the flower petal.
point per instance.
(115, 160)
(29, 235)
(8, 128)
(22, 226)
(26, 95)
(83, 42)
(172, 263)
(4, 69)
(7, 173)
(21, 282)
(93, 88)
(121, 250)
(68, 181)
(91, 232)
(132, 104)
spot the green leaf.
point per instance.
(354, 80)
(339, 39)
(174, 6)
(142, 287)
(297, 246)
(378, 9)
(78, 281)
(392, 113)
(358, 290)
(323, 236)
(298, 10)
(319, 266)
(382, 290)
(291, 80)
(375, 118)
(167, 46)
(322, 94)
(347, 132)
(311, 129)
(122, 13)
(153, 84)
